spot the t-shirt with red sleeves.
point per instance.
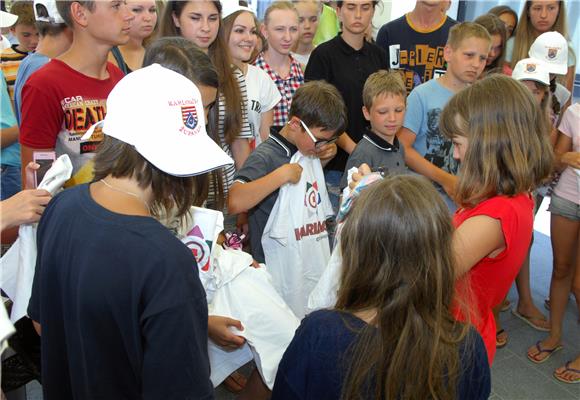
(488, 282)
(59, 104)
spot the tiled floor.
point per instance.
(513, 376)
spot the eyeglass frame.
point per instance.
(318, 143)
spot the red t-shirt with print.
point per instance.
(59, 104)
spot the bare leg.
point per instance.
(564, 234)
(526, 306)
(255, 389)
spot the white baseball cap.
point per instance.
(552, 48)
(231, 6)
(532, 69)
(46, 11)
(7, 19)
(161, 113)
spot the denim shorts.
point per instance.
(564, 208)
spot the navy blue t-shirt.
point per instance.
(314, 365)
(122, 310)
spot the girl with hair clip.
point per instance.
(200, 22)
(539, 17)
(129, 57)
(392, 315)
(496, 29)
(504, 153)
(508, 16)
(240, 32)
(280, 28)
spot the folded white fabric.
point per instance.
(18, 264)
(236, 290)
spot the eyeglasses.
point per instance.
(318, 143)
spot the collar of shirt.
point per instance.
(295, 69)
(347, 49)
(281, 141)
(379, 142)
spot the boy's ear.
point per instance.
(366, 113)
(447, 52)
(79, 13)
(294, 123)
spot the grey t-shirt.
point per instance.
(376, 152)
(268, 156)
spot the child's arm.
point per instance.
(244, 196)
(419, 164)
(477, 237)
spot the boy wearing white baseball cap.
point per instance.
(6, 21)
(117, 295)
(535, 75)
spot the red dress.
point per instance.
(488, 282)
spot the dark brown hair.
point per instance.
(171, 194)
(500, 10)
(319, 105)
(398, 260)
(220, 56)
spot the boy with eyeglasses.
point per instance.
(316, 116)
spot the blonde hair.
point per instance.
(508, 151)
(278, 5)
(383, 82)
(465, 30)
(525, 33)
(397, 253)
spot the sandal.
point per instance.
(530, 321)
(500, 343)
(550, 353)
(567, 368)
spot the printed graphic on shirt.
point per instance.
(429, 59)
(439, 149)
(312, 197)
(79, 115)
(199, 246)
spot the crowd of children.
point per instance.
(435, 146)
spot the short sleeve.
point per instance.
(255, 167)
(269, 91)
(570, 120)
(41, 117)
(571, 55)
(415, 112)
(246, 131)
(354, 160)
(316, 69)
(7, 117)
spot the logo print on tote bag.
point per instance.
(189, 115)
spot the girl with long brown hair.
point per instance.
(391, 334)
(200, 22)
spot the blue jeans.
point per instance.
(9, 181)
